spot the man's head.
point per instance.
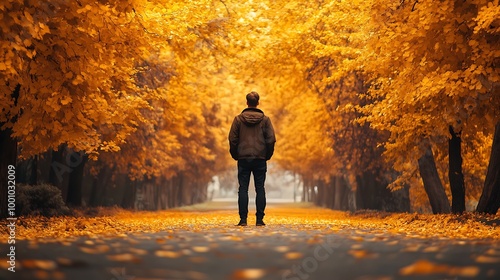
(253, 99)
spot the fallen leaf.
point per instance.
(492, 252)
(356, 246)
(431, 249)
(361, 254)
(412, 248)
(167, 254)
(127, 257)
(293, 255)
(487, 259)
(357, 238)
(99, 249)
(70, 263)
(137, 251)
(40, 264)
(467, 271)
(249, 273)
(200, 249)
(282, 249)
(425, 267)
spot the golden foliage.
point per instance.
(151, 86)
(113, 78)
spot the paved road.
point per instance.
(277, 251)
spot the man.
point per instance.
(251, 143)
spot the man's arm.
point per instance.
(234, 138)
(270, 139)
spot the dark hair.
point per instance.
(253, 99)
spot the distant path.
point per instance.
(280, 250)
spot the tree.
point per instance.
(490, 198)
(410, 50)
(78, 68)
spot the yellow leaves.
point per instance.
(27, 42)
(487, 15)
(28, 17)
(66, 100)
(84, 9)
(191, 236)
(109, 146)
(53, 103)
(78, 80)
(384, 227)
(473, 43)
(42, 30)
(104, 40)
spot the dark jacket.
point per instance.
(251, 136)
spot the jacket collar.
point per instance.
(252, 109)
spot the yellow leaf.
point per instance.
(487, 259)
(167, 254)
(249, 273)
(127, 257)
(293, 255)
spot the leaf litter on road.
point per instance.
(190, 236)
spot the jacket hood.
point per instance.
(251, 116)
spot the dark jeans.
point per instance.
(259, 168)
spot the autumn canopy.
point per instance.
(390, 105)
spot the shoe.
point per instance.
(242, 223)
(260, 223)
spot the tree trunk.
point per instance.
(57, 167)
(8, 156)
(358, 195)
(33, 179)
(432, 183)
(322, 193)
(490, 198)
(172, 185)
(74, 197)
(178, 189)
(93, 199)
(160, 183)
(128, 198)
(368, 197)
(304, 190)
(401, 199)
(339, 193)
(99, 184)
(328, 197)
(23, 171)
(455, 173)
